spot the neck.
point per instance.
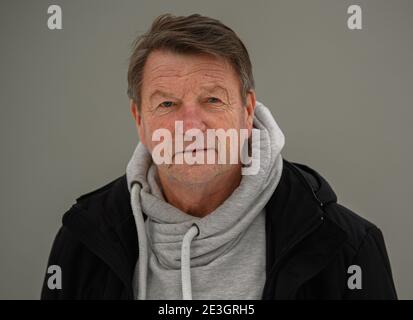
(201, 199)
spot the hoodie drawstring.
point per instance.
(142, 240)
(186, 262)
(143, 249)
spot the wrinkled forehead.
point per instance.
(165, 68)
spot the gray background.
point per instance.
(343, 99)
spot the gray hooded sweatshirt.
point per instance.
(219, 256)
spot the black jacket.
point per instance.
(311, 242)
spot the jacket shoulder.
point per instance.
(366, 250)
(106, 206)
(354, 225)
(102, 191)
(95, 242)
(363, 246)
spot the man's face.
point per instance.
(202, 91)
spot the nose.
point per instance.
(193, 117)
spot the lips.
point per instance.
(198, 150)
(194, 150)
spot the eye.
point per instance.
(167, 104)
(213, 100)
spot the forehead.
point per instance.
(166, 67)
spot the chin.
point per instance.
(195, 173)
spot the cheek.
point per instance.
(245, 123)
(153, 126)
(236, 120)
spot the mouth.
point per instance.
(193, 151)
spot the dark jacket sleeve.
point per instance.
(376, 275)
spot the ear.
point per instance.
(249, 110)
(136, 114)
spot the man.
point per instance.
(171, 229)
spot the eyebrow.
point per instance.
(212, 89)
(161, 93)
(209, 89)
